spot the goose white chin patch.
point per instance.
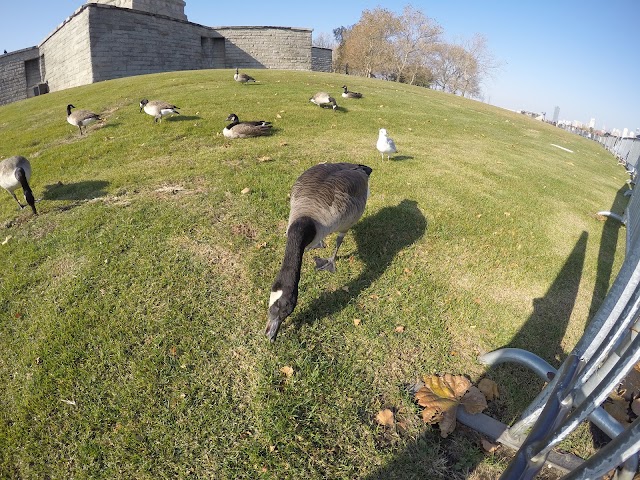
(274, 297)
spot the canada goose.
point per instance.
(15, 172)
(81, 118)
(385, 144)
(238, 129)
(348, 94)
(326, 198)
(323, 99)
(157, 108)
(243, 77)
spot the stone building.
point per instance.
(106, 39)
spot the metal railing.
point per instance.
(603, 356)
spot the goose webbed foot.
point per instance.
(328, 264)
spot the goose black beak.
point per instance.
(273, 325)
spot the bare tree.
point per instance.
(414, 42)
(367, 47)
(323, 40)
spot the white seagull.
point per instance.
(385, 144)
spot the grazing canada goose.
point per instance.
(15, 172)
(238, 129)
(327, 198)
(348, 94)
(243, 77)
(385, 144)
(81, 118)
(323, 99)
(157, 108)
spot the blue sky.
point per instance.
(581, 55)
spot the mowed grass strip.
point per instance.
(133, 306)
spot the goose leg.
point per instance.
(329, 264)
(16, 199)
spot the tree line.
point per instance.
(409, 48)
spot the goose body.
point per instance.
(385, 144)
(327, 198)
(15, 172)
(243, 77)
(238, 129)
(348, 94)
(323, 99)
(157, 108)
(81, 118)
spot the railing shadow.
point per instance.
(541, 334)
(379, 239)
(607, 251)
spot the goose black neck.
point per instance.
(300, 234)
(28, 194)
(68, 110)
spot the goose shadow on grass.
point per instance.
(400, 158)
(181, 118)
(85, 190)
(379, 238)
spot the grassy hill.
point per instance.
(132, 308)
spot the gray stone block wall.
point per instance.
(126, 43)
(101, 41)
(267, 47)
(321, 59)
(14, 84)
(67, 53)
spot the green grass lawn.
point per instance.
(133, 307)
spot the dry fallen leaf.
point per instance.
(473, 401)
(6, 240)
(356, 321)
(278, 116)
(399, 329)
(287, 370)
(488, 446)
(385, 418)
(265, 159)
(489, 388)
(440, 397)
(245, 190)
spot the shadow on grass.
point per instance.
(400, 158)
(542, 334)
(607, 252)
(181, 118)
(85, 190)
(379, 238)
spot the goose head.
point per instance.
(69, 107)
(143, 102)
(232, 118)
(282, 302)
(344, 87)
(28, 196)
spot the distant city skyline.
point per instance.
(578, 55)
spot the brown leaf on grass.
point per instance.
(245, 190)
(264, 159)
(385, 418)
(357, 321)
(489, 388)
(399, 329)
(440, 397)
(474, 401)
(287, 370)
(488, 446)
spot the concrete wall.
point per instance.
(127, 42)
(321, 59)
(267, 47)
(66, 53)
(19, 72)
(171, 8)
(101, 41)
